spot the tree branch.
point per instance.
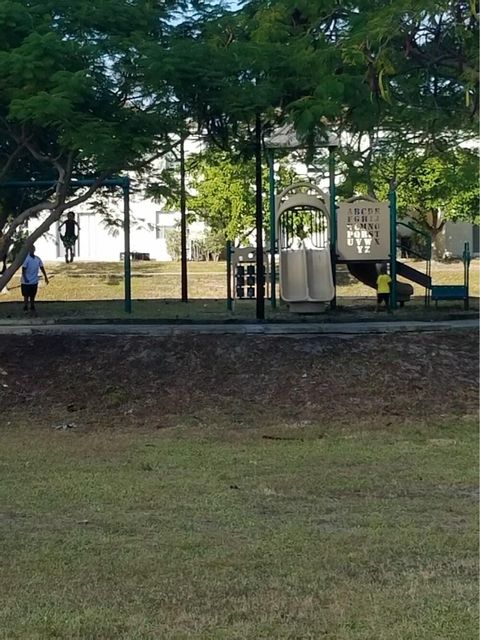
(57, 208)
(22, 254)
(13, 156)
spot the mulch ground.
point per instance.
(152, 382)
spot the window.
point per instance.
(161, 232)
(161, 229)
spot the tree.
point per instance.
(381, 75)
(431, 189)
(222, 193)
(76, 99)
(214, 244)
(173, 242)
(377, 73)
(372, 63)
(440, 189)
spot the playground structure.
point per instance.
(362, 242)
(303, 231)
(310, 234)
(310, 242)
(123, 182)
(241, 264)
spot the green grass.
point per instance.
(84, 281)
(220, 534)
(95, 291)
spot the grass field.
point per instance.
(95, 290)
(359, 535)
(226, 488)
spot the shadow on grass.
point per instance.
(205, 310)
(114, 310)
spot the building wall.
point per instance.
(100, 243)
(451, 241)
(455, 236)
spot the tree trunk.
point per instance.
(4, 248)
(438, 244)
(436, 223)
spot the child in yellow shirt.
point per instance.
(383, 288)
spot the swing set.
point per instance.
(114, 181)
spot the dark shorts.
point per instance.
(69, 241)
(383, 297)
(29, 290)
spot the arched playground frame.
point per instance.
(287, 139)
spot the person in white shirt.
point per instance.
(29, 282)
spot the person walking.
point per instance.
(29, 282)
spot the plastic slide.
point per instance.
(306, 275)
(367, 273)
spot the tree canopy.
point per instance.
(75, 98)
(222, 193)
(94, 89)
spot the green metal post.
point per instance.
(392, 196)
(466, 274)
(126, 256)
(271, 183)
(333, 222)
(229, 276)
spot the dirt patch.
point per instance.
(153, 382)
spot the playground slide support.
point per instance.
(183, 223)
(333, 221)
(466, 274)
(229, 276)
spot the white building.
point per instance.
(456, 234)
(100, 242)
(150, 226)
(450, 242)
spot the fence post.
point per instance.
(392, 197)
(127, 266)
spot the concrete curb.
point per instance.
(349, 328)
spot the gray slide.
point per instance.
(367, 273)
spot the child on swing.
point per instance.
(70, 236)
